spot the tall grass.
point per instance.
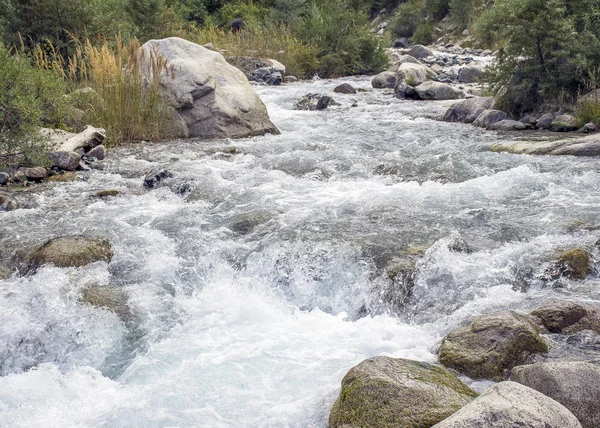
(275, 42)
(587, 108)
(125, 81)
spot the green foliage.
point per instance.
(29, 98)
(423, 34)
(408, 17)
(540, 56)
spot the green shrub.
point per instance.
(408, 17)
(29, 98)
(588, 110)
(423, 35)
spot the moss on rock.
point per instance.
(71, 251)
(108, 298)
(491, 345)
(388, 392)
(574, 264)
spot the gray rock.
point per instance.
(568, 317)
(290, 79)
(584, 146)
(388, 392)
(386, 79)
(401, 42)
(108, 298)
(489, 117)
(98, 152)
(420, 51)
(438, 91)
(403, 59)
(471, 74)
(212, 98)
(545, 121)
(468, 110)
(71, 251)
(511, 405)
(405, 92)
(414, 74)
(33, 174)
(153, 178)
(7, 203)
(564, 123)
(491, 345)
(588, 128)
(575, 385)
(69, 161)
(508, 125)
(345, 88)
(4, 178)
(315, 102)
(267, 75)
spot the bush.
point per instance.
(29, 98)
(423, 34)
(408, 17)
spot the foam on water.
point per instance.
(255, 275)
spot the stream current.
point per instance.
(260, 273)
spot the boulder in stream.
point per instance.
(468, 110)
(575, 385)
(489, 346)
(394, 392)
(154, 177)
(71, 251)
(68, 161)
(574, 264)
(438, 91)
(345, 88)
(315, 102)
(489, 117)
(510, 405)
(210, 98)
(568, 317)
(385, 79)
(109, 298)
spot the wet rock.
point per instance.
(401, 42)
(386, 79)
(98, 152)
(315, 102)
(468, 110)
(545, 121)
(568, 317)
(345, 88)
(267, 75)
(62, 178)
(510, 405)
(491, 345)
(210, 98)
(420, 51)
(108, 298)
(388, 392)
(71, 251)
(438, 91)
(405, 92)
(471, 74)
(508, 125)
(153, 178)
(68, 161)
(573, 264)
(489, 117)
(31, 174)
(564, 123)
(107, 193)
(4, 178)
(7, 203)
(575, 385)
(245, 223)
(583, 146)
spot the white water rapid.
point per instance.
(257, 275)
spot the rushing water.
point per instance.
(258, 275)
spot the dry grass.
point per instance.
(273, 42)
(126, 98)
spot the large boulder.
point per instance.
(385, 79)
(575, 385)
(491, 345)
(468, 110)
(489, 117)
(419, 52)
(210, 98)
(564, 123)
(471, 74)
(388, 392)
(402, 60)
(438, 91)
(568, 317)
(414, 74)
(71, 251)
(510, 405)
(68, 161)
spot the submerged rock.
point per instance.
(210, 98)
(7, 203)
(107, 193)
(568, 317)
(345, 88)
(153, 178)
(62, 178)
(573, 264)
(389, 392)
(315, 102)
(108, 298)
(575, 385)
(581, 146)
(71, 251)
(510, 405)
(491, 345)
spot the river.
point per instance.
(259, 274)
